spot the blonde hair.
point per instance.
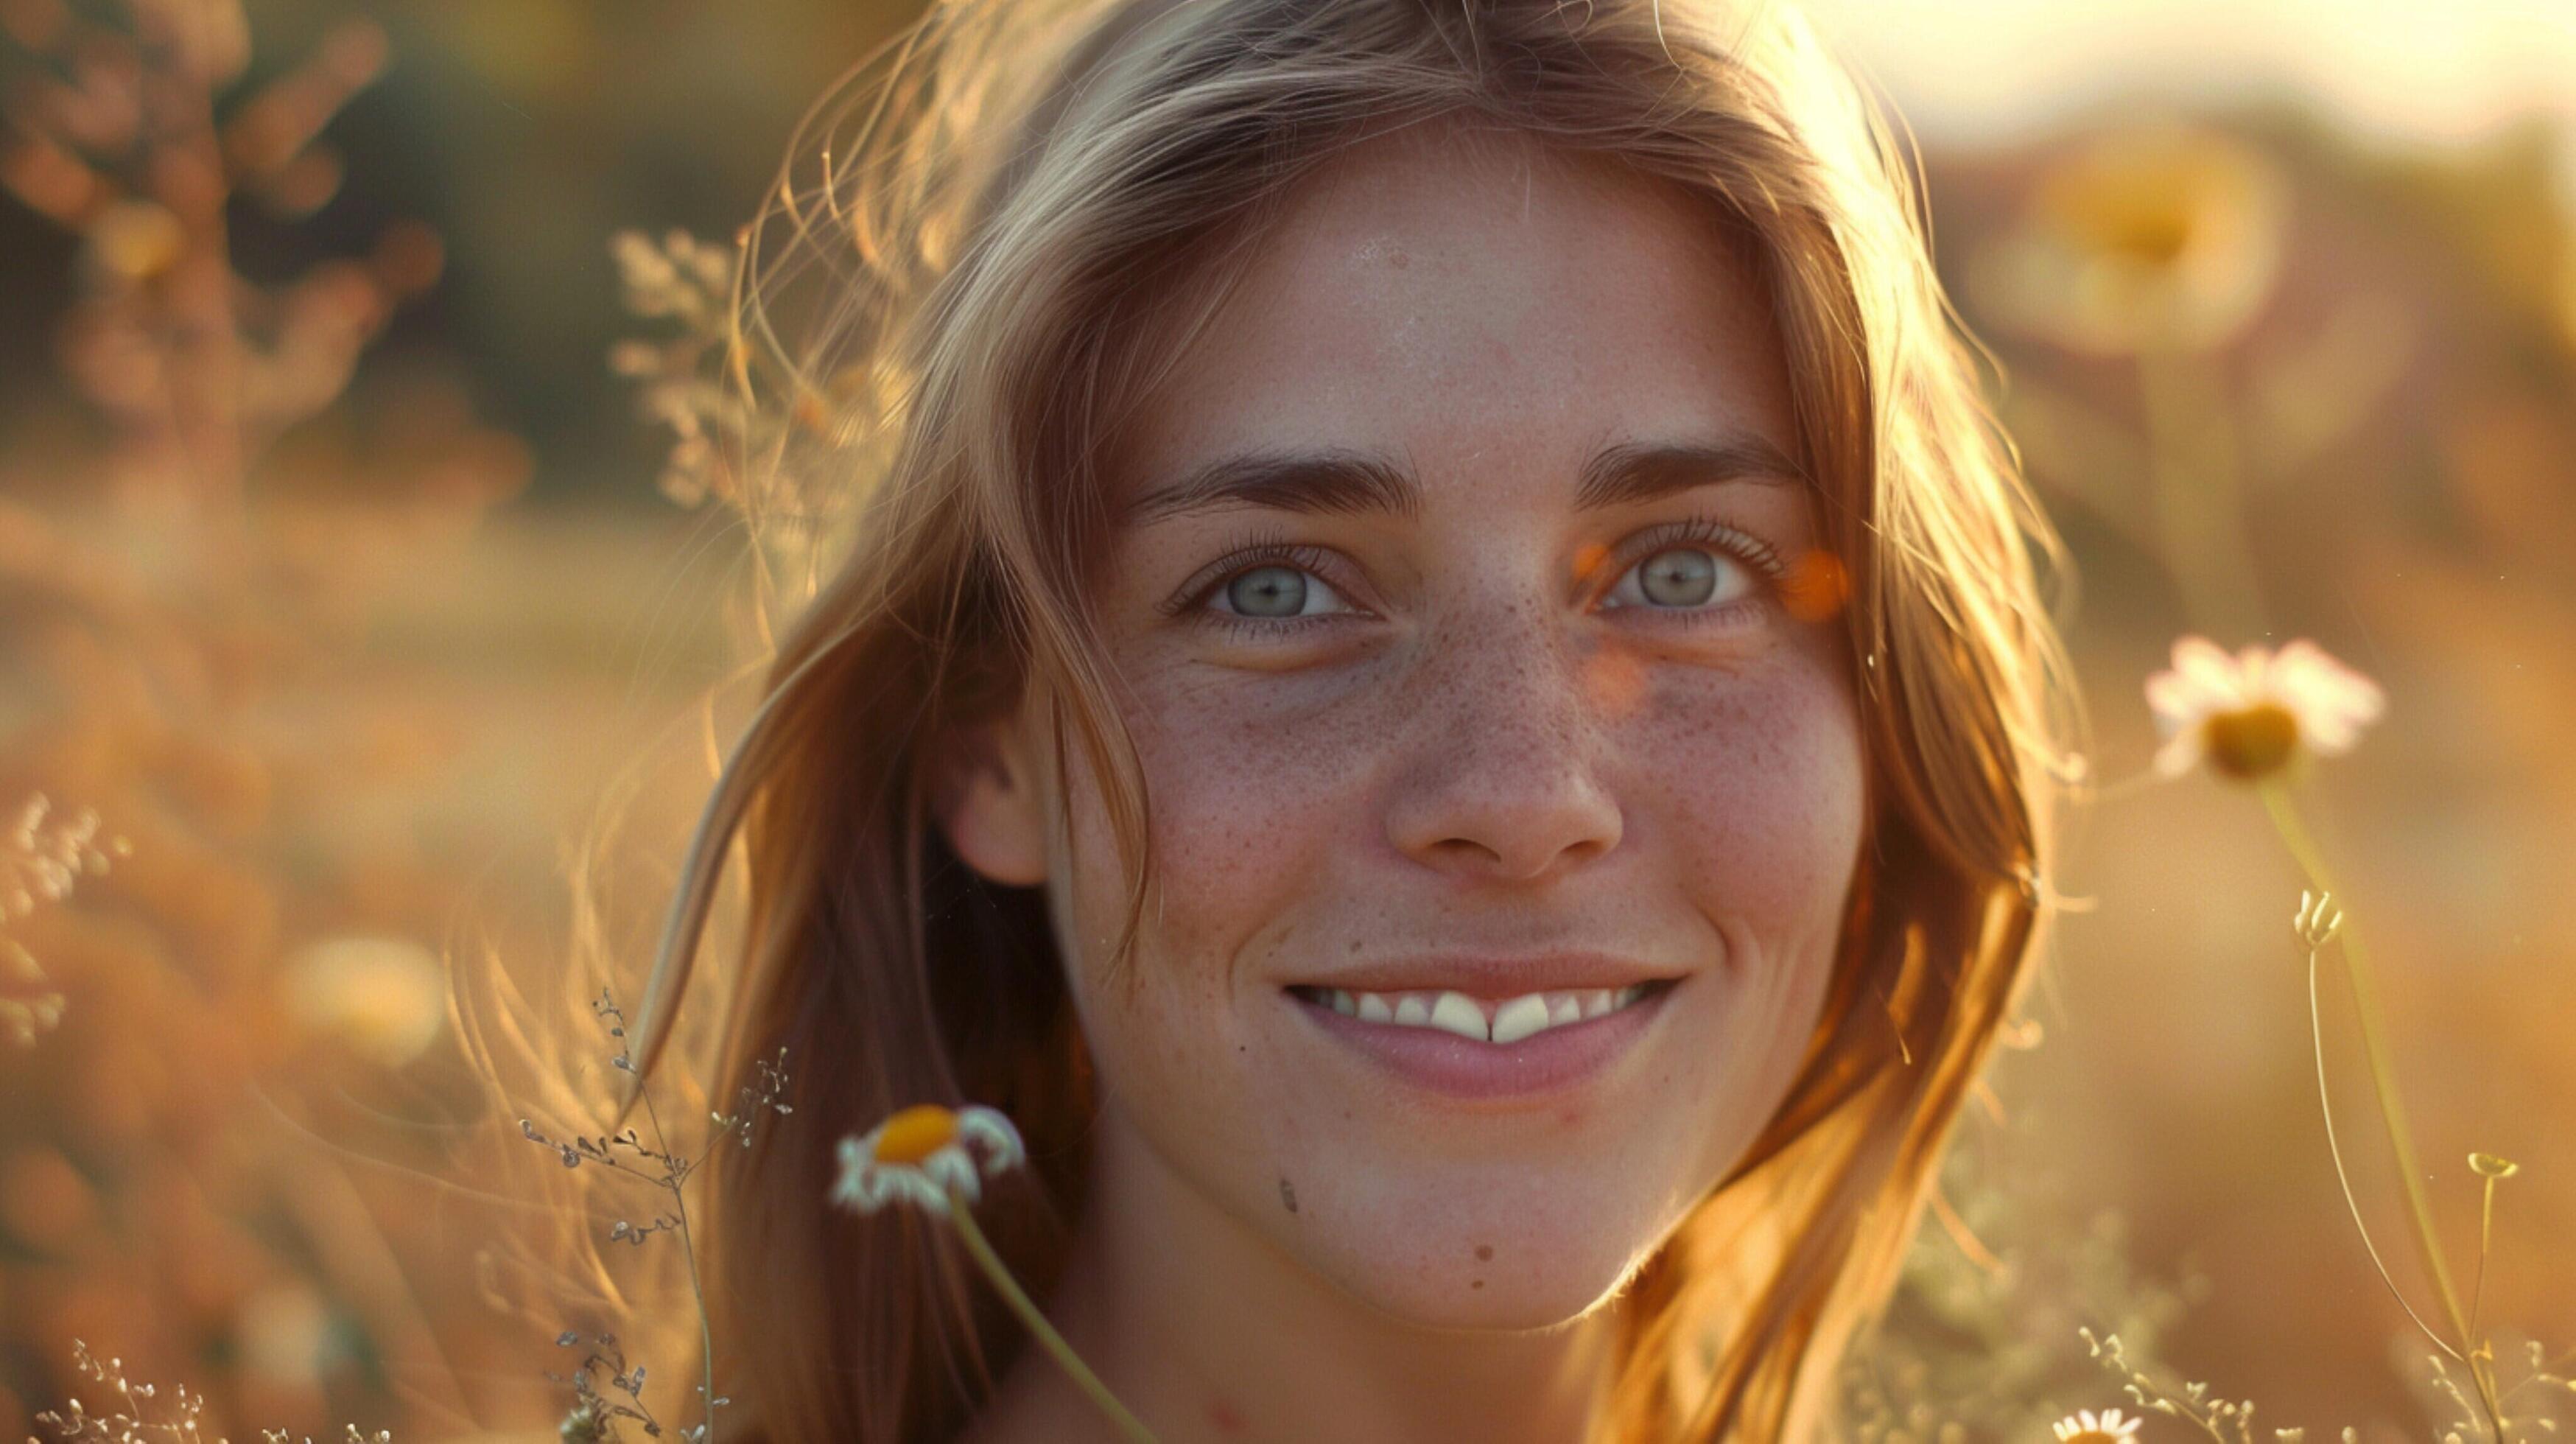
(1001, 224)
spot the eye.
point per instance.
(1699, 566)
(1277, 590)
(1264, 587)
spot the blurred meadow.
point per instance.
(367, 546)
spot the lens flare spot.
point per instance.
(1816, 586)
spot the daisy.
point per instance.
(2248, 715)
(2084, 1427)
(924, 1155)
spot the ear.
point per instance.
(987, 802)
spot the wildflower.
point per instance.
(2085, 1427)
(923, 1155)
(2247, 715)
(926, 1156)
(2158, 238)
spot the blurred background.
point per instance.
(356, 561)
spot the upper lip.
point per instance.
(1491, 976)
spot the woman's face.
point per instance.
(1505, 816)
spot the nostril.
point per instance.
(1491, 806)
(1532, 852)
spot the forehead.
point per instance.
(1463, 299)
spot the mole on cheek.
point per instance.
(1484, 1253)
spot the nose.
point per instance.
(1503, 783)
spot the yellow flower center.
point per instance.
(916, 1133)
(2252, 743)
(2151, 237)
(2097, 1436)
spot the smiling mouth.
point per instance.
(1497, 1021)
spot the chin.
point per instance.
(1500, 1299)
(1513, 1263)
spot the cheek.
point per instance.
(1233, 799)
(1750, 789)
(1252, 790)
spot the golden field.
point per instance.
(334, 638)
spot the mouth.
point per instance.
(1485, 1020)
(1525, 1049)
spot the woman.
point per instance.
(1438, 687)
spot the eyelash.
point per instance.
(1260, 549)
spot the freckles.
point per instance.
(1614, 683)
(1757, 775)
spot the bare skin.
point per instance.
(1484, 712)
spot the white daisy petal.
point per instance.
(2331, 701)
(951, 1170)
(2181, 701)
(914, 1187)
(867, 1190)
(991, 1127)
(2328, 734)
(2211, 667)
(871, 1190)
(849, 1187)
(2203, 680)
(2180, 754)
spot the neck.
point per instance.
(1210, 1333)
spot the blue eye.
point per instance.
(1679, 577)
(1271, 591)
(1273, 584)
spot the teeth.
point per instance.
(1519, 1018)
(1457, 1013)
(1509, 1022)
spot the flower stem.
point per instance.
(2325, 1105)
(2294, 833)
(689, 1249)
(2486, 1239)
(2195, 473)
(1045, 1333)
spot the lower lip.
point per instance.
(1552, 1061)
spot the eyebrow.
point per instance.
(1350, 482)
